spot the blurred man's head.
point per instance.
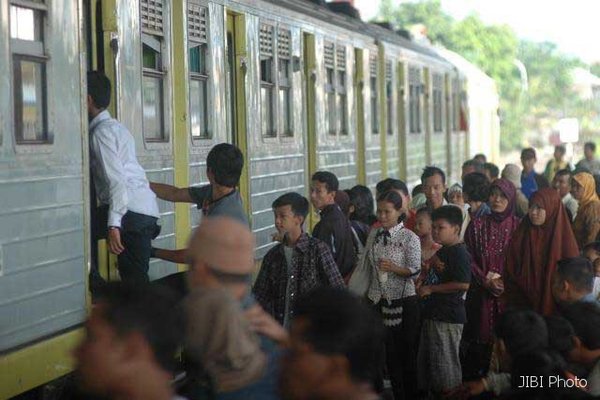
(471, 166)
(491, 171)
(589, 150)
(224, 165)
(322, 189)
(562, 182)
(221, 254)
(559, 152)
(520, 332)
(335, 343)
(528, 159)
(133, 334)
(573, 280)
(434, 186)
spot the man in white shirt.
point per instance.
(562, 183)
(128, 207)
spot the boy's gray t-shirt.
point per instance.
(229, 205)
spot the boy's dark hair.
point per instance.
(340, 323)
(450, 213)
(475, 164)
(298, 203)
(560, 334)
(98, 88)
(148, 309)
(492, 169)
(417, 190)
(362, 200)
(561, 149)
(592, 246)
(578, 271)
(424, 210)
(590, 145)
(391, 184)
(395, 199)
(225, 161)
(476, 186)
(585, 318)
(528, 153)
(562, 172)
(330, 180)
(430, 171)
(480, 155)
(522, 331)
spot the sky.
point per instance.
(571, 24)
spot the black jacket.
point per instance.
(334, 229)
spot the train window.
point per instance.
(389, 97)
(285, 97)
(455, 106)
(342, 103)
(437, 103)
(267, 81)
(284, 82)
(330, 93)
(153, 72)
(330, 83)
(152, 85)
(342, 100)
(29, 72)
(198, 55)
(374, 95)
(414, 103)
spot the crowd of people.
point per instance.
(481, 288)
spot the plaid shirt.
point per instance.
(312, 266)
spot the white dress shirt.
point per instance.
(119, 179)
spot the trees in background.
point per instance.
(494, 49)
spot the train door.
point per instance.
(138, 60)
(236, 68)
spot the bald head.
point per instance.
(224, 245)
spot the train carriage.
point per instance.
(297, 87)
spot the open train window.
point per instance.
(198, 72)
(374, 95)
(27, 25)
(153, 71)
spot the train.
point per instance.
(297, 85)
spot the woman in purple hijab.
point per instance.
(487, 239)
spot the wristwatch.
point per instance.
(110, 228)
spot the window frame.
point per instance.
(438, 111)
(374, 93)
(200, 40)
(156, 40)
(32, 51)
(389, 97)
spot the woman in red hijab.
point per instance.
(543, 237)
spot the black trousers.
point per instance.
(137, 232)
(401, 351)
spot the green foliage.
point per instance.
(496, 49)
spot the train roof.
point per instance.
(322, 11)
